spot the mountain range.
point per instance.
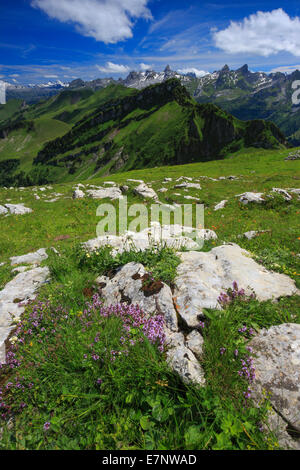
(245, 94)
(81, 132)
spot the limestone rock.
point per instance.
(127, 284)
(146, 192)
(283, 192)
(20, 289)
(187, 185)
(111, 193)
(277, 364)
(175, 236)
(18, 209)
(245, 198)
(221, 205)
(201, 277)
(31, 258)
(195, 343)
(3, 210)
(78, 194)
(183, 361)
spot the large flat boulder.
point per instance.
(174, 236)
(201, 277)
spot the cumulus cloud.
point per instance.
(263, 33)
(197, 72)
(144, 67)
(110, 67)
(108, 21)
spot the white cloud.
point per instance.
(286, 69)
(144, 67)
(197, 72)
(108, 21)
(263, 33)
(110, 67)
(50, 76)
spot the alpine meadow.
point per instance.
(149, 220)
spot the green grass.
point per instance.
(90, 403)
(159, 412)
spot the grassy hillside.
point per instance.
(9, 109)
(71, 406)
(81, 133)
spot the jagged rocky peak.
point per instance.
(77, 83)
(225, 69)
(244, 70)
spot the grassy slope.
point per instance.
(160, 412)
(9, 109)
(261, 170)
(52, 118)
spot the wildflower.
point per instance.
(222, 351)
(47, 426)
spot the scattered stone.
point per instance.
(277, 368)
(52, 200)
(146, 192)
(110, 193)
(124, 188)
(283, 192)
(294, 190)
(18, 209)
(191, 198)
(162, 190)
(135, 181)
(187, 185)
(78, 194)
(221, 205)
(245, 198)
(3, 210)
(293, 156)
(31, 258)
(254, 233)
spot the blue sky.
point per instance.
(47, 40)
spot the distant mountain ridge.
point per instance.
(117, 128)
(245, 94)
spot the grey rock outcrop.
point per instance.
(31, 258)
(202, 276)
(20, 289)
(277, 367)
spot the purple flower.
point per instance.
(47, 426)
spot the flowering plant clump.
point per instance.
(91, 339)
(233, 294)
